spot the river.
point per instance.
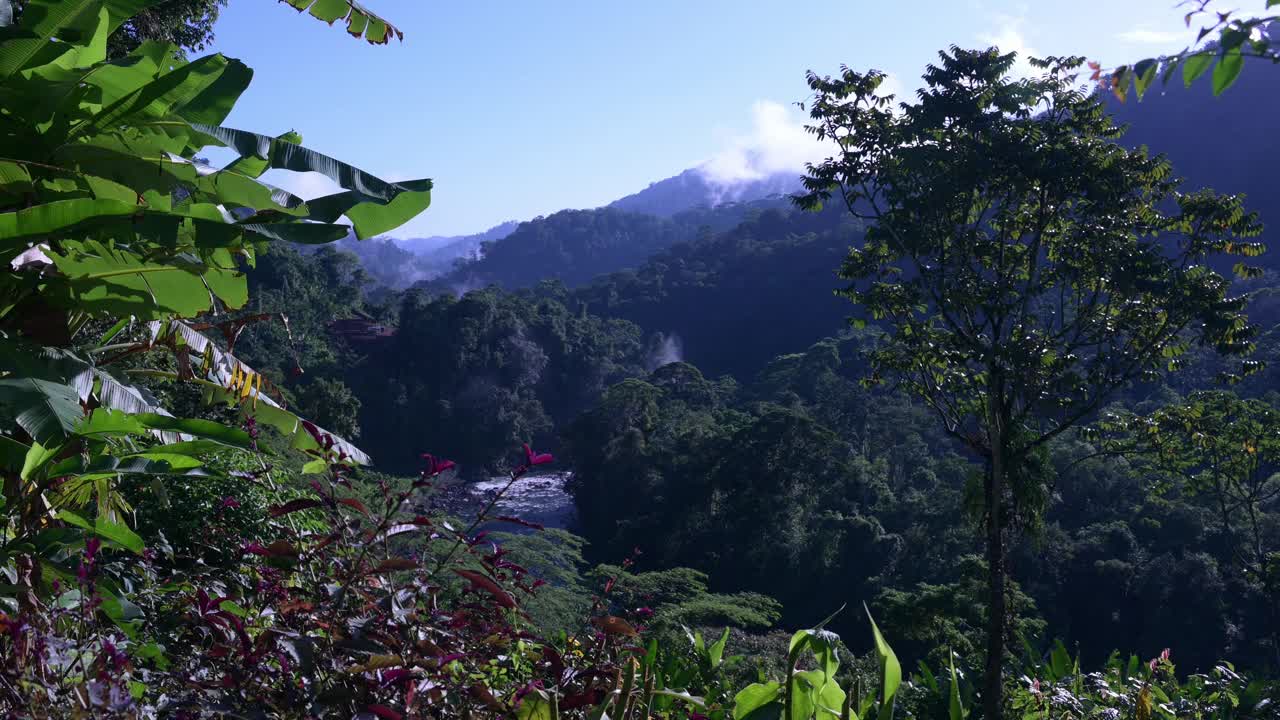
(538, 499)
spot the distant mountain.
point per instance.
(622, 234)
(453, 246)
(575, 246)
(695, 188)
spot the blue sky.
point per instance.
(518, 108)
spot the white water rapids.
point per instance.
(538, 499)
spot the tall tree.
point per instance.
(1025, 265)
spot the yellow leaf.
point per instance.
(1144, 705)
(376, 662)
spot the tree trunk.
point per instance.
(993, 685)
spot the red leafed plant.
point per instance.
(347, 607)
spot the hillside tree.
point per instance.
(1024, 266)
(1224, 450)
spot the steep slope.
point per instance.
(693, 188)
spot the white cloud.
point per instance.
(1144, 36)
(1008, 36)
(777, 142)
(891, 85)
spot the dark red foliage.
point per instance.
(532, 459)
(480, 582)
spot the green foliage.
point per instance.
(115, 237)
(1153, 689)
(766, 279)
(1025, 264)
(1238, 37)
(1226, 450)
(361, 22)
(799, 480)
(816, 693)
(680, 597)
(331, 403)
(481, 373)
(930, 621)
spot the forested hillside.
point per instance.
(980, 420)
(574, 246)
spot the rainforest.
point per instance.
(976, 414)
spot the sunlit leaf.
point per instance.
(1195, 66)
(360, 21)
(107, 530)
(1227, 70)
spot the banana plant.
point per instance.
(108, 216)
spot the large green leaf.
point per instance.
(107, 530)
(758, 700)
(106, 467)
(56, 365)
(360, 21)
(116, 80)
(113, 278)
(48, 411)
(890, 669)
(284, 155)
(371, 216)
(195, 427)
(715, 653)
(212, 105)
(108, 157)
(36, 457)
(233, 189)
(252, 165)
(955, 708)
(57, 216)
(167, 94)
(105, 421)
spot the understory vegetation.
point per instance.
(1037, 476)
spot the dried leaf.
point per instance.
(393, 564)
(613, 625)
